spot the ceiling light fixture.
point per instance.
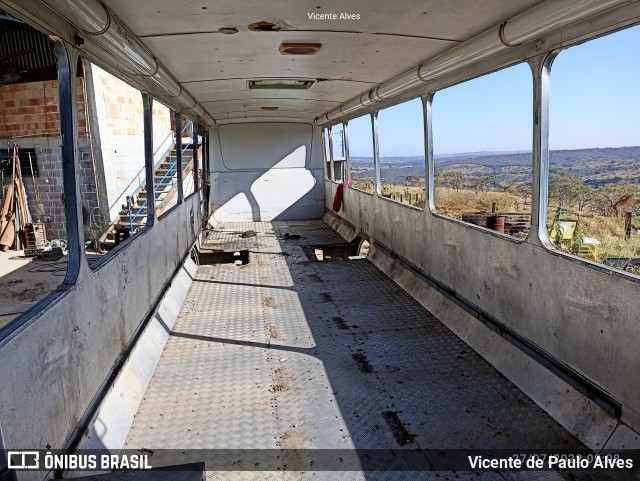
(299, 48)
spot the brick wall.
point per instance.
(31, 110)
(123, 107)
(124, 110)
(30, 118)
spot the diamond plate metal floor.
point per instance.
(262, 357)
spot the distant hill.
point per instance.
(594, 166)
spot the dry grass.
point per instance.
(454, 203)
(364, 185)
(608, 230)
(406, 194)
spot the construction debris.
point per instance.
(52, 254)
(35, 239)
(15, 210)
(39, 206)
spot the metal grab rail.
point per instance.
(172, 165)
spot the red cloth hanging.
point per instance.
(337, 200)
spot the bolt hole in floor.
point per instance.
(323, 253)
(206, 258)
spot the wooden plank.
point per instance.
(8, 235)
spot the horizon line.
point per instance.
(496, 152)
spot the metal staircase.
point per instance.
(133, 217)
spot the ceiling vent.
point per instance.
(280, 84)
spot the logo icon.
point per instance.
(23, 459)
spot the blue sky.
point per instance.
(595, 102)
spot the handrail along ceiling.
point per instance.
(533, 23)
(108, 31)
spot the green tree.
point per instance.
(525, 189)
(568, 190)
(615, 199)
(411, 180)
(584, 196)
(455, 179)
(484, 184)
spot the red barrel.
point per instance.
(495, 222)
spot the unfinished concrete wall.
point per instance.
(58, 360)
(565, 306)
(163, 130)
(266, 171)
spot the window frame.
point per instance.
(66, 66)
(428, 99)
(147, 119)
(543, 78)
(378, 173)
(348, 156)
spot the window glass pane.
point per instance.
(401, 140)
(482, 136)
(594, 141)
(33, 223)
(361, 153)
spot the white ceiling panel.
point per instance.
(447, 19)
(331, 90)
(386, 39)
(256, 104)
(271, 115)
(361, 57)
(263, 117)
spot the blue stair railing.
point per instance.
(137, 176)
(170, 172)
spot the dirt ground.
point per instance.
(24, 281)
